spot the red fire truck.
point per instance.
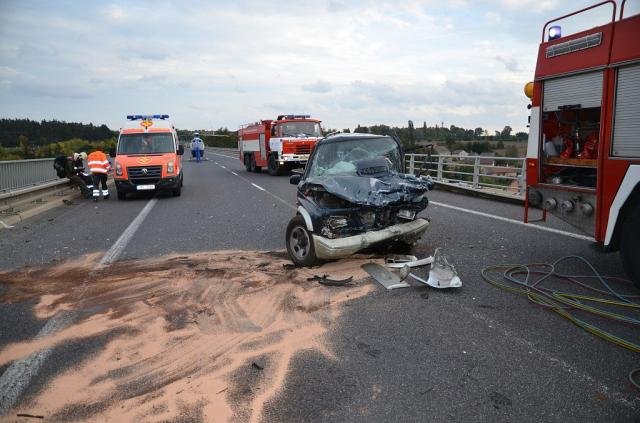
(583, 156)
(280, 145)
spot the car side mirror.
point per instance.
(180, 151)
(112, 152)
(295, 179)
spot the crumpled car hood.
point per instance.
(390, 189)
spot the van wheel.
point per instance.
(630, 245)
(121, 195)
(300, 243)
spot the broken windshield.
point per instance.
(339, 158)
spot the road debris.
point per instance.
(442, 273)
(398, 261)
(384, 277)
(257, 366)
(31, 416)
(324, 280)
(4, 225)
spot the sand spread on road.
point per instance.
(207, 336)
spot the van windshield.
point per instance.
(148, 143)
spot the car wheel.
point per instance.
(272, 166)
(300, 243)
(630, 245)
(121, 195)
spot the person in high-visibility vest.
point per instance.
(99, 167)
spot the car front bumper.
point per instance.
(124, 185)
(341, 247)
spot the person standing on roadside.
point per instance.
(99, 167)
(197, 147)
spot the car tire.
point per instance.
(272, 166)
(121, 195)
(630, 245)
(299, 242)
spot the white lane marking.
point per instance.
(258, 186)
(285, 202)
(18, 376)
(224, 167)
(506, 333)
(5, 225)
(517, 222)
(119, 246)
(216, 162)
(224, 155)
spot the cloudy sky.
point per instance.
(222, 63)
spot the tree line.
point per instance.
(49, 131)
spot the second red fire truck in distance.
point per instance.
(583, 158)
(279, 145)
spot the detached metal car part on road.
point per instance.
(354, 194)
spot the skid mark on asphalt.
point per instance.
(18, 376)
(185, 326)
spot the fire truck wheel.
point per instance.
(177, 191)
(121, 195)
(247, 162)
(300, 243)
(630, 245)
(272, 166)
(252, 163)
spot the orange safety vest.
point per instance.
(98, 162)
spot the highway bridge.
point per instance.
(107, 313)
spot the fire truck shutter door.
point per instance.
(584, 89)
(626, 124)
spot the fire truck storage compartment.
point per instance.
(571, 129)
(626, 119)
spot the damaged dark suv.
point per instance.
(354, 194)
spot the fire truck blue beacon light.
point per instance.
(555, 32)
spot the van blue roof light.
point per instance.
(145, 117)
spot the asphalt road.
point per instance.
(476, 354)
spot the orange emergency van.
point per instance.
(148, 156)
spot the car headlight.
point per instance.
(407, 214)
(336, 222)
(368, 218)
(170, 167)
(118, 169)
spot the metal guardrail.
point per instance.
(482, 173)
(19, 174)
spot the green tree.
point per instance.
(505, 134)
(500, 145)
(361, 130)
